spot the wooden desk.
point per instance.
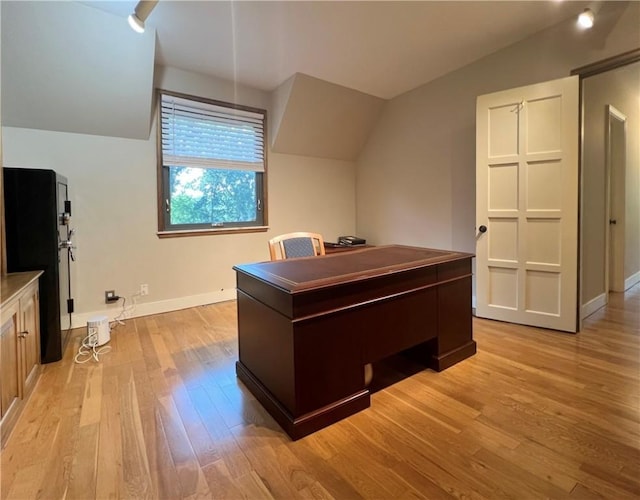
(307, 327)
(334, 248)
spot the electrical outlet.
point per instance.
(144, 289)
(110, 297)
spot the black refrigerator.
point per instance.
(38, 237)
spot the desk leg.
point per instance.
(455, 330)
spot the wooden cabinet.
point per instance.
(9, 358)
(29, 336)
(19, 346)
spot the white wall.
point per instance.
(74, 68)
(620, 88)
(113, 191)
(323, 119)
(415, 179)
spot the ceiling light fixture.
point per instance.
(585, 20)
(140, 14)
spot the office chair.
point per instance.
(300, 244)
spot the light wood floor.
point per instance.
(534, 414)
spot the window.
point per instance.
(211, 167)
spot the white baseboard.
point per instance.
(593, 305)
(146, 308)
(631, 280)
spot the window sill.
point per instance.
(204, 232)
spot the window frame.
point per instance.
(165, 228)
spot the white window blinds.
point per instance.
(198, 134)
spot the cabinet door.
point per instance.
(29, 338)
(9, 385)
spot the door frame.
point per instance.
(583, 72)
(618, 260)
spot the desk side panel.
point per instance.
(267, 293)
(265, 348)
(455, 327)
(455, 339)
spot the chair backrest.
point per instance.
(300, 244)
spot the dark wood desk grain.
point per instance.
(330, 248)
(307, 327)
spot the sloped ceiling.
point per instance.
(72, 68)
(317, 118)
(382, 48)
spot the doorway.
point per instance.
(615, 167)
(610, 180)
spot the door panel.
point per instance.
(527, 196)
(503, 187)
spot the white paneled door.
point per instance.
(527, 205)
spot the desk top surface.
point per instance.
(314, 272)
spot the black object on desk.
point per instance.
(351, 240)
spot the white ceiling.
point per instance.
(383, 48)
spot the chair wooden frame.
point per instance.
(276, 244)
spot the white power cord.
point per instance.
(89, 348)
(124, 313)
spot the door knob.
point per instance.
(613, 222)
(482, 229)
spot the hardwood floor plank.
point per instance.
(534, 414)
(26, 483)
(92, 400)
(184, 458)
(235, 461)
(202, 443)
(530, 456)
(326, 474)
(626, 485)
(134, 456)
(259, 450)
(251, 486)
(455, 474)
(82, 483)
(315, 492)
(220, 482)
(302, 479)
(412, 467)
(163, 474)
(109, 476)
(516, 480)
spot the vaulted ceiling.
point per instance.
(382, 48)
(78, 67)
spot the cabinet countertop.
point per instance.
(13, 283)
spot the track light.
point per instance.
(140, 14)
(585, 20)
